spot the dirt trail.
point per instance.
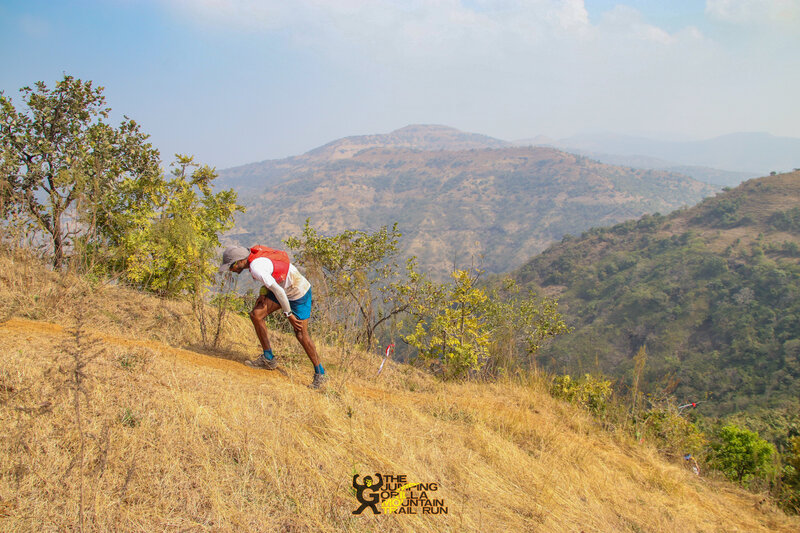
(28, 328)
(38, 331)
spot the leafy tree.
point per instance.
(359, 283)
(98, 192)
(519, 325)
(58, 158)
(740, 454)
(167, 242)
(163, 235)
(452, 329)
(464, 328)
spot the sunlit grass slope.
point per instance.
(152, 435)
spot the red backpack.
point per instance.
(279, 258)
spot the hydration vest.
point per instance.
(279, 258)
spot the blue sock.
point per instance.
(319, 370)
(268, 355)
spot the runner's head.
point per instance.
(231, 255)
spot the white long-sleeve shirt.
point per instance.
(293, 288)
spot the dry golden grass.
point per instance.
(158, 437)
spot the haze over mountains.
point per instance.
(458, 197)
(724, 160)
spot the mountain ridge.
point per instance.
(251, 177)
(723, 160)
(425, 137)
(504, 204)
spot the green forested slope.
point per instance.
(713, 292)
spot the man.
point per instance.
(284, 287)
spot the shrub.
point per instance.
(589, 392)
(672, 432)
(790, 476)
(740, 454)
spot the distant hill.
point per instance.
(255, 176)
(429, 138)
(452, 204)
(713, 176)
(756, 154)
(713, 292)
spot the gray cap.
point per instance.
(231, 255)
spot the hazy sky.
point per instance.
(238, 81)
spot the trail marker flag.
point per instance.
(389, 350)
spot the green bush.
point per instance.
(673, 433)
(740, 454)
(589, 392)
(790, 476)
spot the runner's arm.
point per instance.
(280, 295)
(265, 277)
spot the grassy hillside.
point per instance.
(712, 291)
(502, 204)
(113, 420)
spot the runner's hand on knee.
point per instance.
(296, 323)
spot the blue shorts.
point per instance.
(301, 308)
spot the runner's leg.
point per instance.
(264, 306)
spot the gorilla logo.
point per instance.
(367, 485)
